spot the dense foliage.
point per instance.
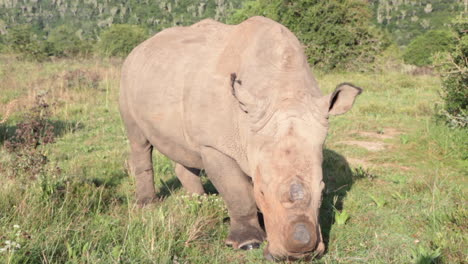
(119, 40)
(336, 34)
(22, 40)
(420, 51)
(88, 18)
(61, 42)
(453, 67)
(64, 42)
(70, 28)
(406, 20)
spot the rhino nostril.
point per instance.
(301, 234)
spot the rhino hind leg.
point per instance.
(190, 179)
(237, 192)
(141, 164)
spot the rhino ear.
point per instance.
(244, 97)
(342, 99)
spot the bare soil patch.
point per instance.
(369, 145)
(366, 164)
(387, 133)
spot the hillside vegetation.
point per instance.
(89, 17)
(335, 34)
(407, 19)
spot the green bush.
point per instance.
(453, 67)
(3, 46)
(24, 41)
(336, 34)
(64, 42)
(119, 40)
(420, 51)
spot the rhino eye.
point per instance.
(261, 192)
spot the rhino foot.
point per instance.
(144, 201)
(245, 238)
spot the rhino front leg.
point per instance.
(190, 179)
(237, 192)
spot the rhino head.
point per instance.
(288, 122)
(285, 151)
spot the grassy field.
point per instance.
(396, 180)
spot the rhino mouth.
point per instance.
(296, 256)
(310, 249)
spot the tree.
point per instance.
(119, 40)
(65, 42)
(453, 67)
(336, 34)
(419, 52)
(23, 40)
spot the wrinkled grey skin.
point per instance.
(240, 102)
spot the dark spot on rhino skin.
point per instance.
(194, 40)
(233, 81)
(296, 192)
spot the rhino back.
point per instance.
(168, 83)
(177, 88)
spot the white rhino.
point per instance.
(240, 102)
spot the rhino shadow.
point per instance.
(173, 184)
(338, 178)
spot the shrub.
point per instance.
(81, 79)
(36, 130)
(24, 41)
(119, 40)
(420, 51)
(3, 46)
(453, 67)
(336, 34)
(64, 42)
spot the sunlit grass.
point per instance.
(87, 213)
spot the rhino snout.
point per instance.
(302, 238)
(301, 234)
(302, 241)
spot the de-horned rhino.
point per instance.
(240, 102)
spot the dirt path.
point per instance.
(373, 142)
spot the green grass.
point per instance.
(87, 213)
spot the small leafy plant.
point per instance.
(361, 173)
(404, 139)
(423, 255)
(340, 217)
(398, 196)
(13, 239)
(379, 201)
